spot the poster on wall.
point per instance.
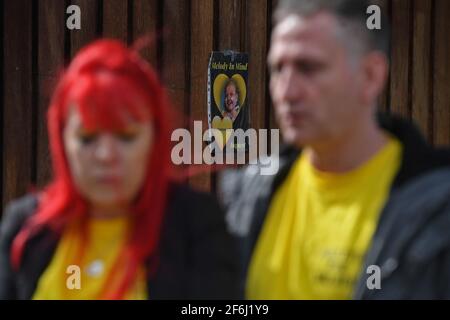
(228, 94)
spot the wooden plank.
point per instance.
(90, 15)
(421, 67)
(50, 63)
(441, 110)
(230, 25)
(400, 64)
(270, 117)
(115, 19)
(17, 103)
(202, 14)
(383, 101)
(175, 58)
(257, 28)
(176, 53)
(145, 22)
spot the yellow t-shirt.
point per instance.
(93, 279)
(318, 229)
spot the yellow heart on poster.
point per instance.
(225, 126)
(219, 88)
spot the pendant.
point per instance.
(95, 269)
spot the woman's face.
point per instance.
(108, 167)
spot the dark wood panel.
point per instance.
(176, 53)
(90, 24)
(176, 57)
(230, 16)
(400, 67)
(271, 121)
(421, 66)
(257, 47)
(441, 112)
(115, 19)
(18, 105)
(145, 22)
(385, 6)
(202, 14)
(50, 64)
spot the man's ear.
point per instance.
(376, 71)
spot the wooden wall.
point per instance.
(36, 45)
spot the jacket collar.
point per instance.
(418, 156)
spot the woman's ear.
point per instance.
(375, 69)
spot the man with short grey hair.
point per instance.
(354, 209)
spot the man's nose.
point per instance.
(106, 149)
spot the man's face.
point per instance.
(315, 89)
(231, 97)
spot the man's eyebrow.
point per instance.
(296, 58)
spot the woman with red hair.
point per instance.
(112, 224)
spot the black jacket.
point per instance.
(412, 240)
(197, 257)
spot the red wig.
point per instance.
(107, 82)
